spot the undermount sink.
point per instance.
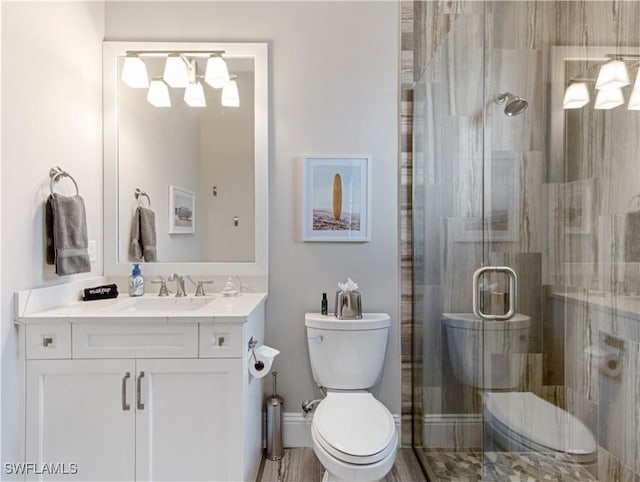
(137, 305)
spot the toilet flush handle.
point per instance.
(317, 338)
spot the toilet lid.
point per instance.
(354, 423)
(540, 422)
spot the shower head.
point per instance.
(514, 105)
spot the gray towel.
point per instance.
(66, 232)
(143, 235)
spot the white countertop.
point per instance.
(214, 308)
(623, 305)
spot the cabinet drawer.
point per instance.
(135, 341)
(48, 341)
(221, 341)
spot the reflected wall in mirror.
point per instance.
(217, 152)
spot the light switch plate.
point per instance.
(92, 251)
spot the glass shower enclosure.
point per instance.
(526, 159)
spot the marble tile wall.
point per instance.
(600, 177)
(465, 150)
(406, 247)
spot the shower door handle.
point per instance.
(512, 293)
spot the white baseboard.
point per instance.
(296, 429)
(455, 431)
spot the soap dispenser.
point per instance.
(136, 282)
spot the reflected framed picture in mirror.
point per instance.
(182, 211)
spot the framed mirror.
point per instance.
(186, 156)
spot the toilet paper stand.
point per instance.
(252, 347)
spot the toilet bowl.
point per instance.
(354, 435)
(489, 355)
(524, 422)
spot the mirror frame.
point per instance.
(259, 266)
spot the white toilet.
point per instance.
(514, 421)
(354, 435)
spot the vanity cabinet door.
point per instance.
(189, 420)
(81, 412)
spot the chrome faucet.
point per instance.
(199, 285)
(179, 284)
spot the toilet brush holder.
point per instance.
(274, 406)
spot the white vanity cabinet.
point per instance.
(144, 401)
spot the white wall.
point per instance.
(334, 90)
(51, 89)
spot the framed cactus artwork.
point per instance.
(336, 198)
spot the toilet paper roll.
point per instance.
(610, 365)
(261, 364)
(607, 361)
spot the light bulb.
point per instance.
(608, 99)
(613, 75)
(158, 94)
(230, 96)
(217, 74)
(576, 96)
(134, 72)
(176, 74)
(194, 95)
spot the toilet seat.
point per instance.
(354, 427)
(539, 425)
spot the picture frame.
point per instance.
(336, 198)
(182, 211)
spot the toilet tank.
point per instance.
(347, 354)
(489, 355)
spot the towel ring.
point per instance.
(55, 173)
(138, 194)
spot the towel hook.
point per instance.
(55, 173)
(138, 194)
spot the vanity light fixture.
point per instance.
(176, 74)
(180, 71)
(158, 95)
(609, 99)
(613, 75)
(134, 72)
(576, 96)
(230, 96)
(217, 73)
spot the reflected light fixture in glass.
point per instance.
(576, 96)
(134, 72)
(230, 96)
(158, 94)
(217, 73)
(634, 100)
(609, 99)
(176, 74)
(613, 75)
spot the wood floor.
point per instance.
(301, 465)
